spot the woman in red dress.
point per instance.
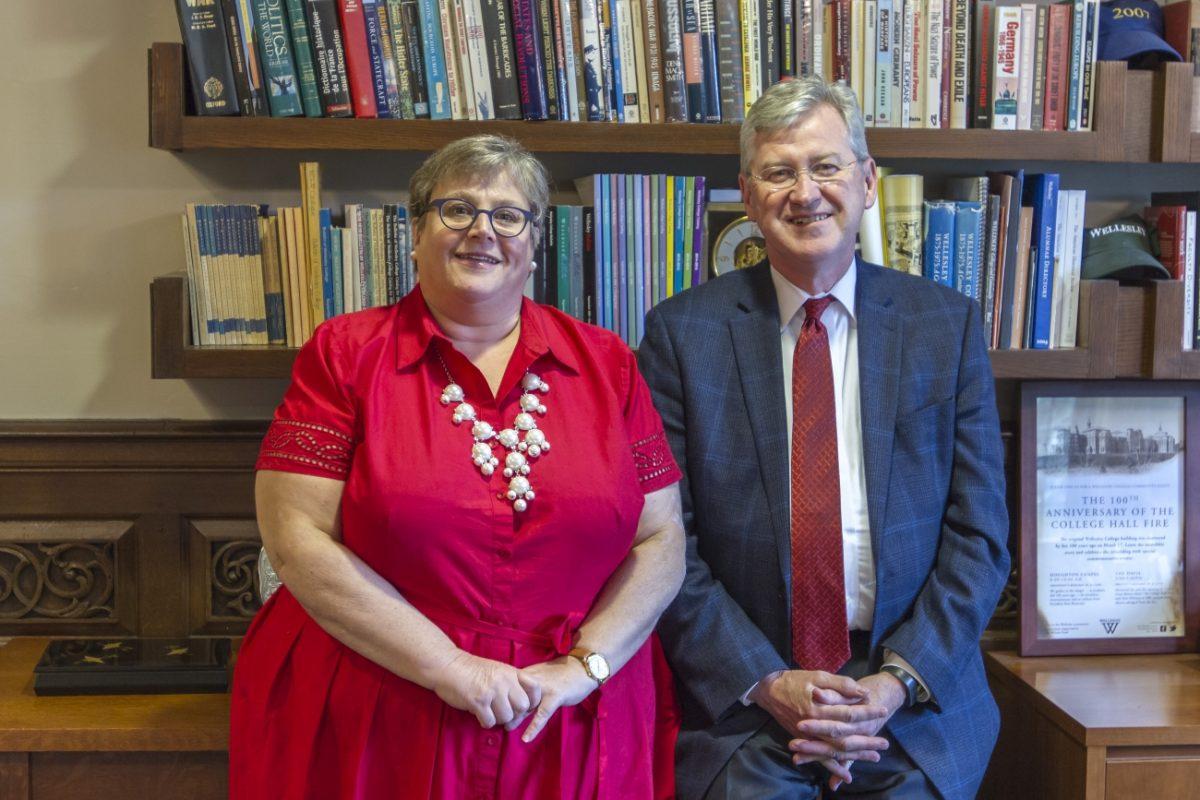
(473, 509)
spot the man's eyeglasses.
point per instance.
(779, 178)
(459, 215)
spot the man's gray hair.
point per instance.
(481, 158)
(786, 102)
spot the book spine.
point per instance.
(435, 60)
(275, 50)
(768, 33)
(708, 55)
(1045, 208)
(569, 17)
(376, 60)
(729, 61)
(1189, 282)
(989, 276)
(415, 63)
(693, 62)
(960, 66)
(392, 13)
(968, 237)
(1057, 64)
(1166, 227)
(804, 38)
(458, 59)
(752, 87)
(1087, 91)
(674, 83)
(939, 242)
(699, 205)
(1038, 99)
(213, 83)
(544, 27)
(626, 67)
(310, 98)
(391, 78)
(654, 61)
(244, 13)
(589, 265)
(907, 78)
(787, 39)
(330, 56)
(855, 49)
(506, 93)
(358, 58)
(595, 100)
(985, 48)
(1007, 68)
(933, 64)
(477, 54)
(637, 27)
(609, 58)
(531, 76)
(1075, 74)
(902, 219)
(883, 63)
(866, 43)
(1025, 72)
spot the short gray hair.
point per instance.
(482, 157)
(786, 102)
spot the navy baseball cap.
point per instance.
(1132, 30)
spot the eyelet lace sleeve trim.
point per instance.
(653, 459)
(315, 447)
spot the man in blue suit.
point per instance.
(843, 493)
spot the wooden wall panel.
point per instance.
(103, 776)
(14, 776)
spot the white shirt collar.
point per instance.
(792, 298)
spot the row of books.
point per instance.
(912, 63)
(250, 278)
(1171, 223)
(259, 278)
(1012, 242)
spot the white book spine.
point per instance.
(589, 37)
(1025, 90)
(462, 52)
(899, 113)
(751, 60)
(916, 63)
(1058, 290)
(933, 61)
(629, 86)
(1006, 78)
(819, 43)
(481, 80)
(906, 64)
(883, 63)
(1077, 204)
(856, 49)
(960, 63)
(1093, 11)
(1189, 281)
(869, 36)
(569, 56)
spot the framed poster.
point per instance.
(1109, 544)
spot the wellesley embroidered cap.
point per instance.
(1120, 250)
(1132, 30)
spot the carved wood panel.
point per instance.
(223, 559)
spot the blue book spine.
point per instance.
(236, 250)
(435, 60)
(938, 260)
(654, 235)
(708, 64)
(375, 53)
(616, 88)
(681, 225)
(1041, 193)
(622, 263)
(404, 269)
(326, 265)
(968, 235)
(224, 252)
(204, 244)
(661, 230)
(339, 292)
(249, 226)
(638, 306)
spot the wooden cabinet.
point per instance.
(1095, 727)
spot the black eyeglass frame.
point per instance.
(525, 213)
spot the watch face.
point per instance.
(738, 246)
(598, 666)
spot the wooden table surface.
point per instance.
(1110, 700)
(161, 722)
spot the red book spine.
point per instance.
(1058, 56)
(841, 38)
(1169, 223)
(984, 44)
(358, 60)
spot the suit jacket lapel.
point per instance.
(879, 345)
(755, 335)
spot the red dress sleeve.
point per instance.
(656, 466)
(313, 431)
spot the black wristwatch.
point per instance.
(911, 687)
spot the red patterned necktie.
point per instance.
(820, 638)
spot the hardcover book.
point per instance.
(326, 37)
(281, 82)
(210, 70)
(132, 666)
(310, 97)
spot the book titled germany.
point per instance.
(132, 666)
(203, 30)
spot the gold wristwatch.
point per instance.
(594, 664)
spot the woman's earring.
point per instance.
(532, 266)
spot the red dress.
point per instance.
(311, 717)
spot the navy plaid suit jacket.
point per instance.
(935, 486)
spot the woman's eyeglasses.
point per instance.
(459, 215)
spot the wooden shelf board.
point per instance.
(1189, 365)
(237, 362)
(1066, 364)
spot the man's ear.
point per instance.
(871, 175)
(746, 188)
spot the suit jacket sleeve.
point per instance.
(716, 652)
(958, 599)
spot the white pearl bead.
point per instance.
(511, 495)
(487, 469)
(530, 382)
(525, 422)
(508, 473)
(535, 451)
(519, 505)
(541, 410)
(524, 470)
(529, 495)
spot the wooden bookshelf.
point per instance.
(1174, 92)
(1122, 129)
(174, 357)
(1168, 359)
